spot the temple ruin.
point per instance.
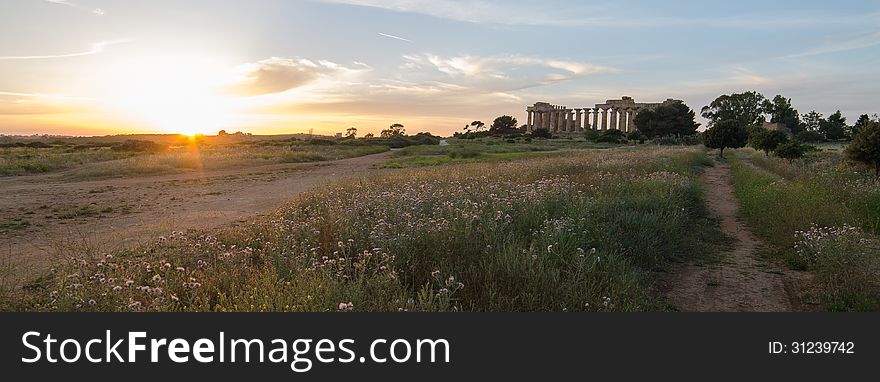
(614, 114)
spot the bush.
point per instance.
(865, 147)
(591, 135)
(611, 136)
(790, 151)
(321, 142)
(132, 145)
(636, 136)
(809, 136)
(542, 133)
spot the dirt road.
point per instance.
(44, 213)
(740, 281)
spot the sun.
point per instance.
(172, 94)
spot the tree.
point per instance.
(861, 122)
(865, 147)
(503, 124)
(369, 135)
(477, 125)
(812, 121)
(351, 132)
(674, 119)
(790, 150)
(725, 133)
(834, 127)
(781, 111)
(766, 140)
(745, 108)
(393, 130)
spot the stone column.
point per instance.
(614, 119)
(630, 125)
(603, 120)
(528, 121)
(577, 120)
(560, 120)
(570, 115)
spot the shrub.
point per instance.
(591, 135)
(541, 133)
(611, 136)
(865, 147)
(636, 136)
(132, 145)
(789, 151)
(767, 140)
(809, 136)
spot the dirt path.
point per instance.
(740, 281)
(115, 213)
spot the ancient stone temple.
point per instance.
(614, 114)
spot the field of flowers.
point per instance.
(822, 215)
(580, 232)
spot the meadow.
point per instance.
(115, 159)
(578, 231)
(484, 150)
(819, 214)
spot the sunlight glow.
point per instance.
(172, 94)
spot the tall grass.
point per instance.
(820, 215)
(579, 232)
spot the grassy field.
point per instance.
(105, 160)
(483, 150)
(820, 214)
(573, 232)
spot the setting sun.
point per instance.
(172, 94)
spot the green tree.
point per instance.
(392, 131)
(812, 121)
(675, 119)
(861, 122)
(477, 125)
(834, 127)
(503, 124)
(789, 150)
(781, 111)
(865, 146)
(351, 132)
(744, 108)
(766, 140)
(726, 133)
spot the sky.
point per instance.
(96, 67)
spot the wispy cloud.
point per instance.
(278, 74)
(859, 41)
(504, 67)
(96, 48)
(395, 37)
(96, 11)
(580, 14)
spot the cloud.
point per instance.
(395, 37)
(859, 41)
(575, 14)
(510, 69)
(96, 11)
(277, 74)
(96, 48)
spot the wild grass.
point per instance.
(210, 157)
(26, 160)
(484, 150)
(580, 232)
(820, 215)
